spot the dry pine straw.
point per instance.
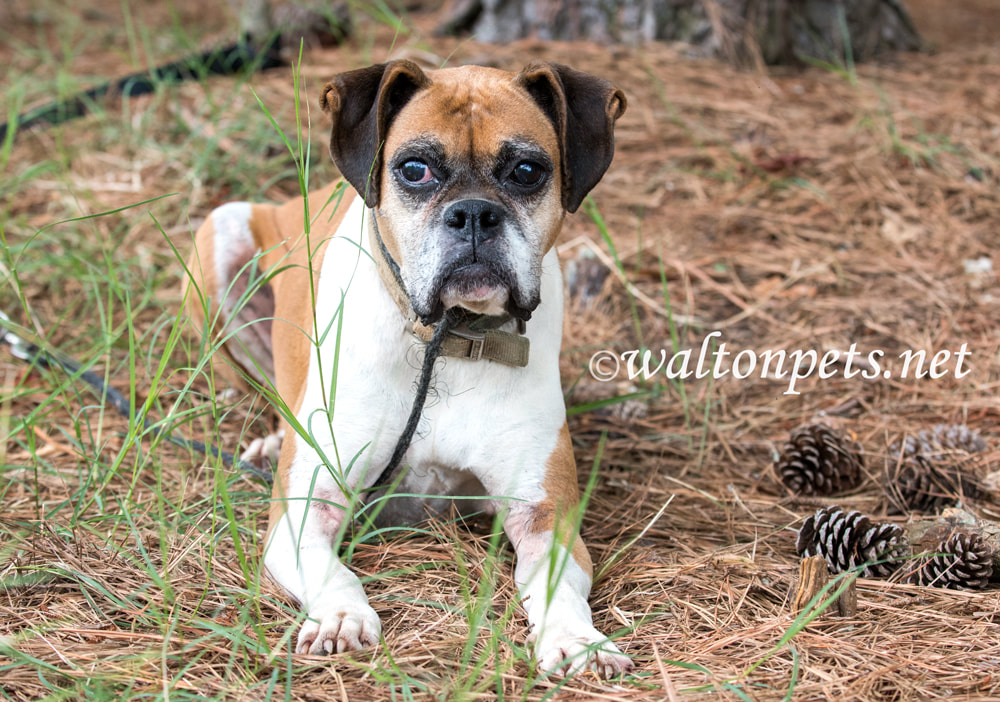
(791, 210)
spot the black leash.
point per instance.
(243, 55)
(451, 319)
(33, 354)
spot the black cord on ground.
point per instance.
(33, 354)
(243, 55)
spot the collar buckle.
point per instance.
(477, 342)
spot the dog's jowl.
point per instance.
(461, 180)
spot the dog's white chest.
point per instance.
(484, 424)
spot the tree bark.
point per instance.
(739, 31)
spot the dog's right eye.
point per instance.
(416, 172)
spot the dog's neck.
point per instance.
(477, 337)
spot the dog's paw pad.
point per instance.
(340, 630)
(565, 653)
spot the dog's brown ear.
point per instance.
(583, 108)
(362, 104)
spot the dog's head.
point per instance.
(470, 171)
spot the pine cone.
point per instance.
(849, 540)
(965, 562)
(943, 441)
(818, 460)
(932, 470)
(922, 484)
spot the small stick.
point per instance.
(813, 577)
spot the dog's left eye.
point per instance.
(416, 172)
(527, 174)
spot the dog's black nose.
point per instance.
(474, 221)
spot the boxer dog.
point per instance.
(461, 180)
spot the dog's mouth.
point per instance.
(476, 287)
(482, 286)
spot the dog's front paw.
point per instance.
(566, 650)
(339, 629)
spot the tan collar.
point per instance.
(478, 337)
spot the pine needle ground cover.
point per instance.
(794, 210)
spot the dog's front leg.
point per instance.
(306, 520)
(553, 574)
(554, 583)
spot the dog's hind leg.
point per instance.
(229, 296)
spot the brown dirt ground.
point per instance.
(792, 210)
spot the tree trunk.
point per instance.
(316, 22)
(739, 31)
